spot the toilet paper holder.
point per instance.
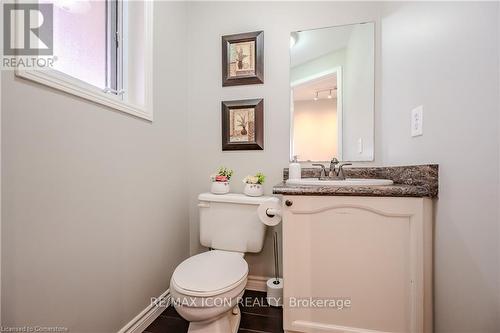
(272, 212)
(269, 211)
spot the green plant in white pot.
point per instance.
(253, 187)
(220, 181)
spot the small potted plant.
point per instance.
(253, 187)
(220, 180)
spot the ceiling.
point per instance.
(307, 91)
(312, 44)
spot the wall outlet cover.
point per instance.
(417, 121)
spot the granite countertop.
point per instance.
(409, 181)
(396, 190)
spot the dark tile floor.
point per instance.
(256, 316)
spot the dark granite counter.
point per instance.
(396, 190)
(409, 181)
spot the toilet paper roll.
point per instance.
(269, 212)
(274, 292)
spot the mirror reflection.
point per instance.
(332, 93)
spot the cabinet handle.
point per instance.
(289, 203)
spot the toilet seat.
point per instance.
(210, 273)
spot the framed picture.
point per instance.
(243, 125)
(243, 59)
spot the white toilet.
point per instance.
(206, 288)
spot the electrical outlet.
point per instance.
(360, 146)
(417, 121)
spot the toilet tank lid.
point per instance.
(233, 198)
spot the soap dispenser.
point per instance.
(294, 171)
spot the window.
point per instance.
(80, 38)
(103, 53)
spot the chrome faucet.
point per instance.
(322, 173)
(337, 169)
(340, 173)
(333, 166)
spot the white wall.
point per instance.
(441, 55)
(95, 202)
(445, 57)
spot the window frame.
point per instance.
(63, 82)
(113, 45)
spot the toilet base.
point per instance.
(227, 322)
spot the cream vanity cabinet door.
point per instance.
(374, 252)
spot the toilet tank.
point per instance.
(230, 222)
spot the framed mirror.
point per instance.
(332, 92)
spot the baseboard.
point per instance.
(256, 283)
(147, 316)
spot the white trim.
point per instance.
(292, 128)
(60, 81)
(68, 84)
(340, 113)
(237, 198)
(148, 55)
(147, 316)
(309, 326)
(125, 48)
(257, 283)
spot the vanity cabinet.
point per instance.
(357, 264)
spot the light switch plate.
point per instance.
(360, 146)
(417, 121)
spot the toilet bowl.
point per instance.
(206, 288)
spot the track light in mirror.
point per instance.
(323, 91)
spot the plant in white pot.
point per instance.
(253, 187)
(220, 181)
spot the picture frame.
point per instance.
(243, 59)
(243, 124)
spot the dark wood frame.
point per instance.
(258, 106)
(258, 37)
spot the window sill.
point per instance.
(62, 82)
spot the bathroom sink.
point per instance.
(346, 182)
